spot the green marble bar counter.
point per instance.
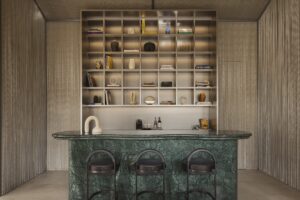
(175, 145)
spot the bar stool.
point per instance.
(149, 167)
(196, 166)
(101, 167)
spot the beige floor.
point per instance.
(253, 185)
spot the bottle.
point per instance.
(155, 125)
(168, 28)
(159, 125)
(143, 24)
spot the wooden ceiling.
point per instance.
(227, 9)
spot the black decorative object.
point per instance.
(149, 46)
(166, 84)
(139, 124)
(115, 46)
(96, 99)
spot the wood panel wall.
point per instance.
(237, 64)
(23, 93)
(279, 91)
(63, 64)
(63, 86)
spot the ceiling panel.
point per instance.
(227, 9)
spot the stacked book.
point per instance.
(204, 67)
(202, 83)
(167, 67)
(94, 30)
(149, 84)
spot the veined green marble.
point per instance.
(174, 146)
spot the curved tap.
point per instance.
(96, 130)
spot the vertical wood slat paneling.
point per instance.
(237, 64)
(23, 93)
(278, 89)
(63, 57)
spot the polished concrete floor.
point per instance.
(253, 185)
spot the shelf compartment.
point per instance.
(166, 26)
(167, 96)
(167, 59)
(185, 14)
(109, 40)
(149, 77)
(90, 61)
(92, 16)
(117, 62)
(211, 77)
(113, 27)
(205, 27)
(98, 79)
(185, 44)
(185, 97)
(89, 95)
(114, 14)
(185, 79)
(147, 93)
(185, 27)
(149, 14)
(132, 79)
(116, 97)
(131, 14)
(131, 27)
(149, 62)
(132, 43)
(131, 57)
(205, 15)
(167, 44)
(166, 14)
(93, 44)
(151, 27)
(167, 77)
(205, 59)
(145, 39)
(204, 44)
(185, 61)
(113, 77)
(127, 97)
(210, 97)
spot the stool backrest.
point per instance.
(150, 151)
(101, 151)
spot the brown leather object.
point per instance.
(145, 166)
(102, 167)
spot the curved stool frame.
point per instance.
(137, 194)
(201, 191)
(100, 151)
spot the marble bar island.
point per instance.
(175, 146)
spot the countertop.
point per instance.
(156, 135)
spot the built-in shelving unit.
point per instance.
(185, 40)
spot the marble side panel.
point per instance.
(174, 151)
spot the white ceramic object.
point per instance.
(97, 130)
(149, 100)
(131, 64)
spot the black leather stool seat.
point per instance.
(149, 166)
(200, 166)
(105, 167)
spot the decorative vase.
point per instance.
(131, 64)
(132, 98)
(114, 45)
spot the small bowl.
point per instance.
(150, 100)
